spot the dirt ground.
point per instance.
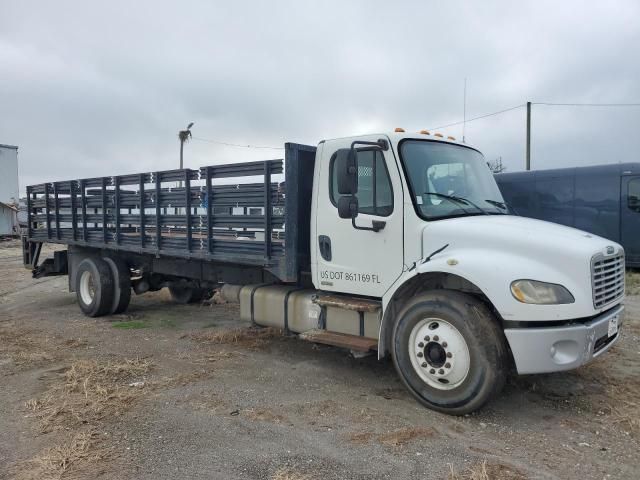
(172, 391)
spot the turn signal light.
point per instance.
(425, 132)
(399, 130)
(437, 135)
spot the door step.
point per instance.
(342, 340)
(348, 303)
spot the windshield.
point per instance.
(448, 180)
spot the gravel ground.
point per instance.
(173, 391)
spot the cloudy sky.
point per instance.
(88, 90)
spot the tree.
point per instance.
(496, 165)
(184, 136)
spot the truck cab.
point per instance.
(418, 222)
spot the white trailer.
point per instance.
(8, 189)
(9, 174)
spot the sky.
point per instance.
(90, 89)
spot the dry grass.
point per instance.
(288, 473)
(263, 415)
(88, 392)
(251, 337)
(396, 438)
(25, 347)
(615, 382)
(623, 402)
(54, 463)
(486, 471)
(632, 281)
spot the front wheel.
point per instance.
(450, 351)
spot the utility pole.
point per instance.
(464, 109)
(528, 161)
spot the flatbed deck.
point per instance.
(217, 213)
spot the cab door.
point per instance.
(630, 218)
(351, 260)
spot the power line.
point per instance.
(478, 118)
(227, 144)
(587, 104)
(461, 122)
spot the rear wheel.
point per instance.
(185, 294)
(450, 351)
(94, 287)
(121, 284)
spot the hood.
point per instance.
(530, 236)
(492, 251)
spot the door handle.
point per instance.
(376, 225)
(325, 247)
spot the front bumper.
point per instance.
(553, 349)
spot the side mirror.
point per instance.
(346, 168)
(348, 207)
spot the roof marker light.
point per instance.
(399, 130)
(438, 135)
(451, 138)
(425, 132)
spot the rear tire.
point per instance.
(450, 351)
(94, 287)
(121, 284)
(185, 295)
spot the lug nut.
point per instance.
(436, 338)
(420, 354)
(441, 371)
(447, 365)
(449, 354)
(444, 344)
(424, 365)
(427, 338)
(432, 371)
(421, 345)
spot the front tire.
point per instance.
(94, 287)
(450, 351)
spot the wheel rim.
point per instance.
(439, 353)
(87, 288)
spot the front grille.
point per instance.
(607, 279)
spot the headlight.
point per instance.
(540, 293)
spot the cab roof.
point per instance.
(397, 136)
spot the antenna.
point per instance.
(464, 109)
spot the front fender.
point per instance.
(492, 272)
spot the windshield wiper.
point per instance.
(459, 200)
(500, 205)
(503, 206)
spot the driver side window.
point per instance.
(375, 195)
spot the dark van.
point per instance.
(603, 200)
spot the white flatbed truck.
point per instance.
(398, 243)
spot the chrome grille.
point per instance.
(607, 279)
